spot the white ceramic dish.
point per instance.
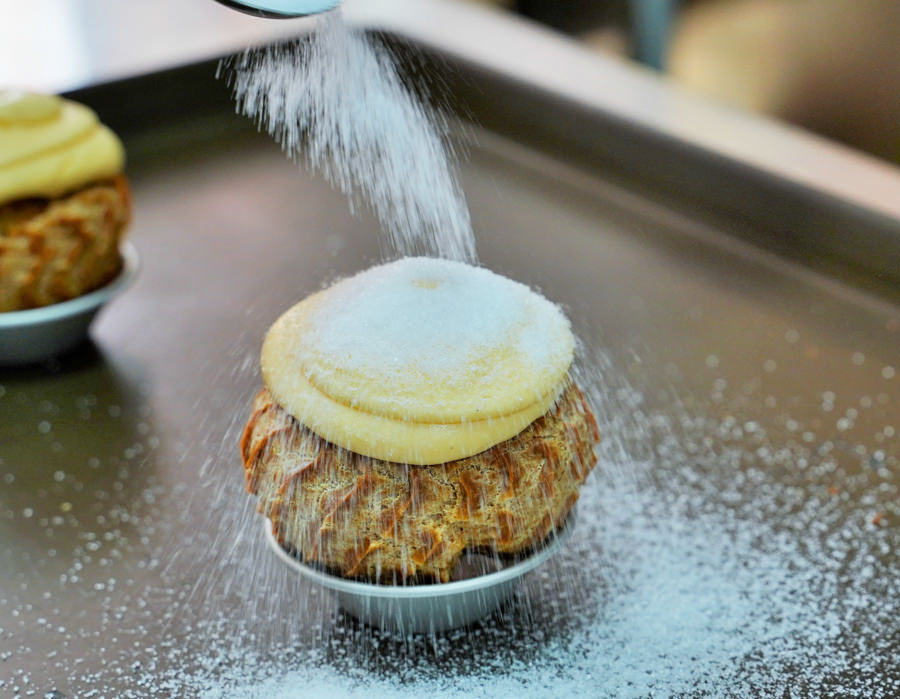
(425, 608)
(40, 333)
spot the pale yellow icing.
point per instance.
(437, 397)
(50, 146)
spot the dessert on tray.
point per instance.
(64, 202)
(414, 411)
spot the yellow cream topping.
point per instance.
(420, 361)
(50, 146)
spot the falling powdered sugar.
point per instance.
(336, 100)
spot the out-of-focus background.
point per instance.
(831, 66)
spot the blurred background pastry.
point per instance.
(64, 201)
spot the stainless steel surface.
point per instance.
(128, 549)
(38, 334)
(281, 9)
(427, 608)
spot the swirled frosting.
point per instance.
(419, 361)
(50, 146)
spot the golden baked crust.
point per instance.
(52, 250)
(390, 522)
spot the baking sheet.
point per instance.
(739, 536)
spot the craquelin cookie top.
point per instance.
(419, 361)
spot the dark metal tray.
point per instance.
(740, 325)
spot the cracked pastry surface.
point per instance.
(412, 412)
(53, 250)
(386, 522)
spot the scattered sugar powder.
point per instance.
(336, 100)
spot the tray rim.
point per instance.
(807, 199)
(545, 60)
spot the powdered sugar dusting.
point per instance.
(435, 317)
(724, 547)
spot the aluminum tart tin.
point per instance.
(426, 608)
(37, 334)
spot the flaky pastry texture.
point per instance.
(53, 250)
(392, 523)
